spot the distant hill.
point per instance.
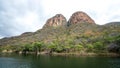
(80, 30)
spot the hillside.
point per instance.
(78, 34)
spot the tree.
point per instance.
(37, 46)
(60, 48)
(90, 47)
(98, 46)
(78, 47)
(67, 48)
(51, 47)
(1, 48)
(27, 48)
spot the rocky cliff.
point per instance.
(80, 17)
(57, 20)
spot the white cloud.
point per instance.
(100, 10)
(30, 21)
(20, 16)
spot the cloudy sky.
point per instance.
(18, 16)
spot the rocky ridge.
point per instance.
(77, 17)
(80, 17)
(57, 20)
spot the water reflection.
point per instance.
(46, 61)
(114, 63)
(13, 63)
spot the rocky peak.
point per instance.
(80, 17)
(57, 20)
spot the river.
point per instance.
(47, 61)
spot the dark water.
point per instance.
(46, 61)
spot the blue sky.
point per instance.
(19, 16)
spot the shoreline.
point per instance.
(86, 54)
(67, 54)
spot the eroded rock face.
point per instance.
(57, 20)
(80, 17)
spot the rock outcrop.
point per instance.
(80, 17)
(57, 20)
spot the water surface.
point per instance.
(46, 61)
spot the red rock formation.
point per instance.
(57, 20)
(80, 17)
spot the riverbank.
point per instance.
(87, 54)
(68, 54)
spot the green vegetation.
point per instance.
(65, 47)
(73, 39)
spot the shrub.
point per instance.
(90, 47)
(79, 47)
